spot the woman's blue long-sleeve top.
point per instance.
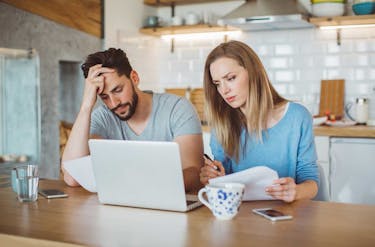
(288, 148)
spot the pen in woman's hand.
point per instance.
(208, 157)
(216, 165)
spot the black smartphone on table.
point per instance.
(52, 193)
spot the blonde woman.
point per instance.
(253, 125)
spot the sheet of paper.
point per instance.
(81, 170)
(256, 179)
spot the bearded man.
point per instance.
(128, 113)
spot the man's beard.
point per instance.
(131, 109)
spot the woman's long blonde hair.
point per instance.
(227, 121)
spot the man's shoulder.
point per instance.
(167, 97)
(100, 109)
(102, 112)
(171, 100)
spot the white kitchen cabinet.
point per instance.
(322, 150)
(352, 170)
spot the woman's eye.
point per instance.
(231, 78)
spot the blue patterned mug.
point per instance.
(224, 199)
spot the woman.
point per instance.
(253, 125)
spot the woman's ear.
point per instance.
(134, 77)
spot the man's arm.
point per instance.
(191, 150)
(77, 144)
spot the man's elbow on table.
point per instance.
(69, 180)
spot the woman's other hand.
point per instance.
(283, 189)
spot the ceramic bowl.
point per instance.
(319, 120)
(327, 9)
(364, 8)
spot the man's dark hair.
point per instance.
(111, 58)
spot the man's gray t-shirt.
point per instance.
(171, 116)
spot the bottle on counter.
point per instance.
(361, 110)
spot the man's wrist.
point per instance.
(86, 109)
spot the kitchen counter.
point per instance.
(348, 131)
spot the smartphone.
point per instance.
(52, 193)
(272, 214)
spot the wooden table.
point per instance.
(81, 219)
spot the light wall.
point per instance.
(54, 43)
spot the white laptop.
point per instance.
(142, 174)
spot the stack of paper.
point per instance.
(256, 180)
(81, 170)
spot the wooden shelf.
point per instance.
(343, 20)
(178, 2)
(186, 29)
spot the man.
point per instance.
(131, 114)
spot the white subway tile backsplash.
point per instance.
(300, 36)
(281, 88)
(359, 74)
(361, 46)
(180, 66)
(372, 45)
(297, 75)
(347, 73)
(372, 59)
(278, 63)
(332, 47)
(284, 76)
(358, 88)
(345, 46)
(372, 75)
(198, 64)
(271, 75)
(312, 48)
(192, 79)
(188, 53)
(311, 74)
(284, 49)
(362, 60)
(357, 33)
(296, 60)
(333, 74)
(304, 62)
(264, 50)
(332, 61)
(349, 60)
(324, 35)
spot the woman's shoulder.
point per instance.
(297, 108)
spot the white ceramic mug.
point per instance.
(224, 199)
